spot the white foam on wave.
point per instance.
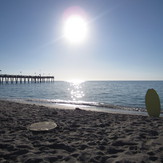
(90, 106)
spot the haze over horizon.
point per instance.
(119, 40)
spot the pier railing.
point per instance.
(4, 78)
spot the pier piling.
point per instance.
(4, 78)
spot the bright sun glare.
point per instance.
(75, 29)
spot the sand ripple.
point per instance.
(81, 136)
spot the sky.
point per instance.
(124, 40)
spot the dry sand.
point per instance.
(81, 136)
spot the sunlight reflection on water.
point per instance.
(75, 89)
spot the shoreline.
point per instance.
(71, 106)
(81, 136)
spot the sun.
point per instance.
(75, 29)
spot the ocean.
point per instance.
(100, 95)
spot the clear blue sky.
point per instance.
(125, 39)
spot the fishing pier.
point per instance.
(6, 79)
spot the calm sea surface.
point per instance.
(101, 94)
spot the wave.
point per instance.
(85, 104)
(94, 106)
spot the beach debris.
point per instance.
(43, 126)
(152, 102)
(78, 109)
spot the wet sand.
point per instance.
(81, 136)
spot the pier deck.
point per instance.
(4, 78)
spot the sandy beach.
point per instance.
(81, 136)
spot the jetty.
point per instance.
(6, 79)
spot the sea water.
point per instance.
(127, 95)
